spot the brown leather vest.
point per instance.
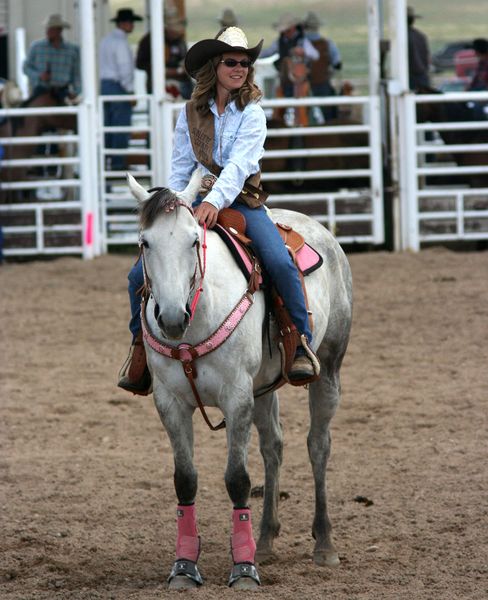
(319, 69)
(201, 128)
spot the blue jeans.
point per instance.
(116, 114)
(274, 257)
(325, 89)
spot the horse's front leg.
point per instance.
(238, 415)
(267, 421)
(177, 420)
(324, 398)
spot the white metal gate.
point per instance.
(118, 217)
(60, 216)
(448, 200)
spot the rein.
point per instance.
(202, 268)
(186, 353)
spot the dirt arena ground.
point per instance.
(86, 491)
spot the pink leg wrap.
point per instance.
(188, 540)
(242, 541)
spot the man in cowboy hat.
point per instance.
(291, 42)
(177, 81)
(418, 54)
(52, 64)
(117, 78)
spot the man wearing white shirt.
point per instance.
(117, 78)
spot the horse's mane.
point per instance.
(162, 199)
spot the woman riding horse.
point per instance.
(223, 130)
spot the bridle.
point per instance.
(200, 267)
(186, 353)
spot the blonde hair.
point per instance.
(206, 87)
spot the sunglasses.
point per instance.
(231, 62)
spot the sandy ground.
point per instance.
(86, 491)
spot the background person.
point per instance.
(291, 43)
(52, 64)
(479, 82)
(177, 81)
(117, 78)
(321, 69)
(418, 54)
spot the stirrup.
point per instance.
(141, 383)
(313, 361)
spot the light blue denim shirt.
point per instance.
(238, 148)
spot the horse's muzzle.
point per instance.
(172, 327)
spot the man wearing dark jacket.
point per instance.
(418, 54)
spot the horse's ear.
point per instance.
(189, 194)
(139, 193)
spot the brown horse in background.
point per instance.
(29, 126)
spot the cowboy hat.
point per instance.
(411, 14)
(286, 21)
(312, 21)
(126, 14)
(232, 39)
(227, 18)
(172, 20)
(10, 94)
(56, 21)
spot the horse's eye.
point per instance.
(144, 243)
(195, 242)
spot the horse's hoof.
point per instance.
(182, 582)
(244, 576)
(245, 583)
(326, 558)
(184, 575)
(265, 556)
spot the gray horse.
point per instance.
(233, 374)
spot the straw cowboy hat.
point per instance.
(56, 21)
(231, 39)
(312, 21)
(10, 94)
(227, 18)
(286, 21)
(126, 14)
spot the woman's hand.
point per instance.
(207, 213)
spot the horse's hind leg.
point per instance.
(267, 421)
(323, 398)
